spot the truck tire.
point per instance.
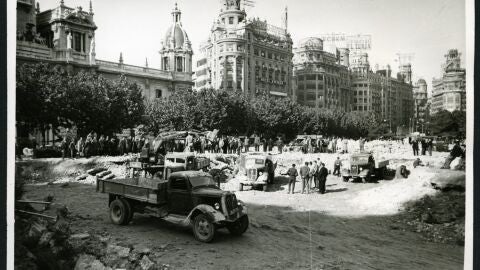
(129, 209)
(118, 212)
(345, 179)
(203, 228)
(239, 227)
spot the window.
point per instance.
(179, 183)
(255, 51)
(158, 93)
(230, 20)
(179, 64)
(223, 20)
(77, 42)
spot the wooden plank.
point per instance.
(34, 202)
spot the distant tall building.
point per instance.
(421, 105)
(322, 79)
(246, 54)
(448, 92)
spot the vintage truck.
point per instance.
(364, 167)
(256, 169)
(188, 198)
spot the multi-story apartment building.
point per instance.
(246, 54)
(448, 92)
(390, 98)
(321, 79)
(66, 36)
(421, 105)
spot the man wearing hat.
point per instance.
(322, 178)
(457, 151)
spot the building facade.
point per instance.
(421, 104)
(245, 54)
(66, 36)
(448, 92)
(390, 98)
(321, 79)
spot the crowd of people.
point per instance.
(94, 145)
(425, 144)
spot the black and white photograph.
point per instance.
(240, 134)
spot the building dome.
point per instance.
(421, 82)
(176, 37)
(312, 42)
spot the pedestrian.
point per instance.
(430, 146)
(322, 178)
(71, 149)
(80, 145)
(270, 144)
(337, 165)
(256, 141)
(189, 143)
(314, 174)
(280, 145)
(415, 147)
(101, 145)
(345, 146)
(361, 143)
(304, 173)
(292, 178)
(64, 147)
(423, 142)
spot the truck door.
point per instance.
(179, 197)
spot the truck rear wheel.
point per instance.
(118, 212)
(129, 209)
(203, 228)
(239, 227)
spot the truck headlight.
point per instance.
(217, 206)
(260, 173)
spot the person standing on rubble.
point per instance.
(256, 141)
(337, 166)
(304, 173)
(361, 143)
(292, 178)
(430, 146)
(457, 151)
(415, 147)
(80, 145)
(345, 146)
(189, 142)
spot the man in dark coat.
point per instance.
(457, 151)
(292, 178)
(322, 178)
(415, 147)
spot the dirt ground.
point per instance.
(342, 229)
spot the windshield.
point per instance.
(360, 159)
(198, 181)
(256, 161)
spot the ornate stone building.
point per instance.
(66, 36)
(246, 54)
(322, 79)
(449, 91)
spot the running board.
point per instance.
(177, 219)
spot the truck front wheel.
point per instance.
(118, 212)
(203, 228)
(239, 227)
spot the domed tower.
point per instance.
(176, 49)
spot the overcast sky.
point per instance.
(427, 28)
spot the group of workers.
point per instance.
(313, 175)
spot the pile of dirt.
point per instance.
(439, 218)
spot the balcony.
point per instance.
(28, 3)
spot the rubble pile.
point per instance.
(439, 218)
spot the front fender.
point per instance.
(214, 215)
(244, 209)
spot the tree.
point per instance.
(448, 123)
(48, 96)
